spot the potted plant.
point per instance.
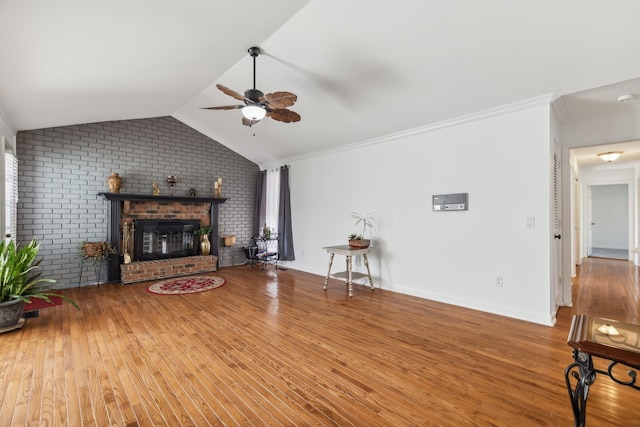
(97, 252)
(205, 244)
(367, 221)
(19, 282)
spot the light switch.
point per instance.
(531, 222)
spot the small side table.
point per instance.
(348, 275)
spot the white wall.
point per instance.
(6, 129)
(502, 161)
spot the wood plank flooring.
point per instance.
(271, 348)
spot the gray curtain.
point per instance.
(285, 232)
(261, 202)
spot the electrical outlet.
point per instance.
(499, 281)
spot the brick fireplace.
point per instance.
(129, 208)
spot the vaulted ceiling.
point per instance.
(361, 69)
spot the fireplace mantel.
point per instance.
(161, 197)
(115, 212)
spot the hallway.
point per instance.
(607, 288)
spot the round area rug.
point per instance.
(186, 285)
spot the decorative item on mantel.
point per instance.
(156, 189)
(205, 244)
(115, 183)
(172, 179)
(192, 192)
(217, 188)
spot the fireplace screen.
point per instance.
(164, 238)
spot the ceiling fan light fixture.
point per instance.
(254, 112)
(610, 156)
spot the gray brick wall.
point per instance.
(61, 170)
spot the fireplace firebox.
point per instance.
(164, 238)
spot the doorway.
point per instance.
(608, 221)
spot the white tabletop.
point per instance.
(347, 250)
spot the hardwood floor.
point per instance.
(273, 349)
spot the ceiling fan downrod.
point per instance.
(254, 52)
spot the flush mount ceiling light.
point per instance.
(610, 156)
(624, 98)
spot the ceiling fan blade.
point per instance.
(280, 100)
(231, 93)
(224, 107)
(284, 115)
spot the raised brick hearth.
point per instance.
(161, 269)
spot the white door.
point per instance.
(590, 223)
(556, 269)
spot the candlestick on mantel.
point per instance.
(217, 188)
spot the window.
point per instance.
(273, 199)
(11, 194)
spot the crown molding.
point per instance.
(457, 121)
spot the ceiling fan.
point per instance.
(257, 105)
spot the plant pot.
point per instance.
(360, 244)
(205, 245)
(229, 240)
(92, 249)
(10, 312)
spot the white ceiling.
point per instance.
(361, 69)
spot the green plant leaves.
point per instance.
(18, 279)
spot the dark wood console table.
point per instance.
(616, 343)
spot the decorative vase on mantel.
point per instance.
(115, 182)
(205, 245)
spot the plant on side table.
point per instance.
(367, 221)
(96, 252)
(19, 282)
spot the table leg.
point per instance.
(366, 262)
(583, 373)
(326, 280)
(349, 276)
